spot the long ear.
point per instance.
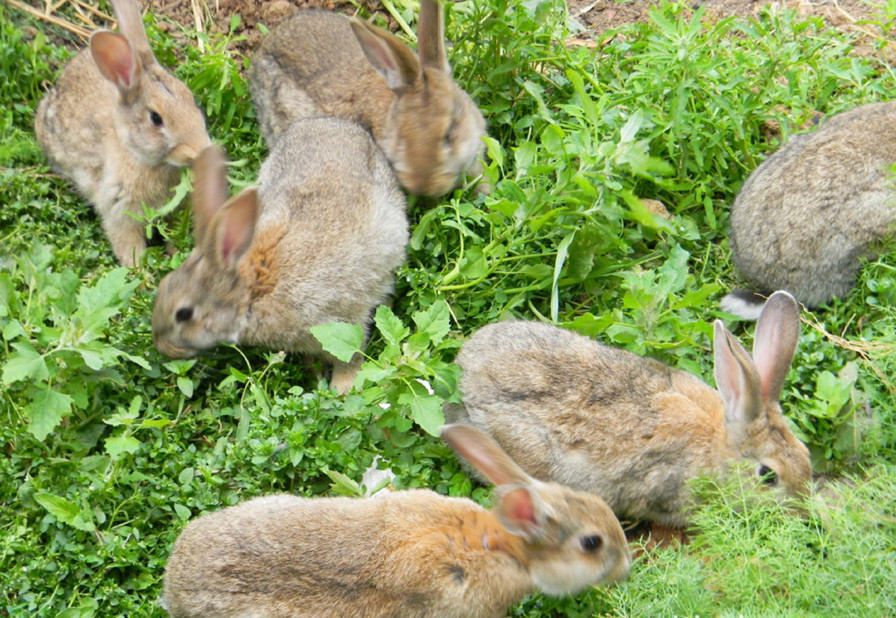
(777, 335)
(737, 381)
(209, 189)
(387, 54)
(130, 23)
(431, 36)
(116, 61)
(484, 454)
(232, 230)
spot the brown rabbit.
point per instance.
(120, 126)
(628, 428)
(318, 63)
(405, 554)
(318, 242)
(808, 215)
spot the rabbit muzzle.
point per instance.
(171, 350)
(183, 155)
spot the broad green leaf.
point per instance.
(340, 339)
(435, 321)
(426, 410)
(183, 513)
(390, 327)
(185, 385)
(23, 364)
(109, 291)
(46, 410)
(64, 510)
(342, 484)
(116, 445)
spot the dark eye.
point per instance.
(767, 475)
(155, 117)
(592, 543)
(184, 314)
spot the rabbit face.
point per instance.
(434, 132)
(156, 126)
(197, 309)
(584, 548)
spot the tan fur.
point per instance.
(314, 64)
(806, 217)
(330, 233)
(632, 429)
(405, 554)
(100, 135)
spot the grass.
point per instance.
(110, 448)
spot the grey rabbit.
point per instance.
(317, 63)
(317, 242)
(810, 212)
(632, 429)
(406, 554)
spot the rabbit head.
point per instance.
(573, 540)
(204, 302)
(157, 119)
(433, 130)
(751, 389)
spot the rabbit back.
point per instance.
(808, 214)
(313, 64)
(593, 417)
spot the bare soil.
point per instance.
(596, 16)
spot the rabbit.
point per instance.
(320, 63)
(411, 553)
(631, 429)
(806, 217)
(317, 242)
(120, 126)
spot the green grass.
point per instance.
(109, 448)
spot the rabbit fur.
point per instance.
(320, 63)
(317, 242)
(405, 554)
(120, 126)
(806, 217)
(631, 429)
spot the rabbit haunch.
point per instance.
(628, 428)
(318, 242)
(403, 554)
(319, 63)
(120, 126)
(809, 213)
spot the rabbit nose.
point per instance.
(184, 154)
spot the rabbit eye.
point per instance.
(155, 117)
(184, 314)
(767, 475)
(592, 543)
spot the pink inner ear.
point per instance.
(519, 508)
(114, 58)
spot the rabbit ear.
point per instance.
(232, 230)
(223, 228)
(777, 335)
(484, 454)
(209, 188)
(737, 381)
(130, 23)
(431, 36)
(115, 59)
(521, 510)
(389, 56)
